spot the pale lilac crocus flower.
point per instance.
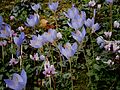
(90, 23)
(92, 3)
(3, 43)
(108, 34)
(50, 36)
(18, 82)
(19, 40)
(49, 69)
(20, 28)
(53, 6)
(72, 12)
(116, 24)
(68, 50)
(42, 57)
(12, 17)
(35, 7)
(13, 61)
(37, 41)
(5, 31)
(100, 41)
(109, 1)
(59, 35)
(35, 57)
(79, 36)
(32, 20)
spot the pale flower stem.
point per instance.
(56, 20)
(11, 46)
(71, 73)
(21, 57)
(50, 81)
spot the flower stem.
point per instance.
(111, 17)
(21, 57)
(50, 82)
(56, 20)
(92, 46)
(71, 73)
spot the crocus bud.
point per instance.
(59, 35)
(99, 6)
(42, 57)
(12, 17)
(116, 24)
(92, 3)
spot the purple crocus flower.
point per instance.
(49, 69)
(78, 36)
(32, 20)
(76, 23)
(19, 40)
(18, 82)
(90, 23)
(50, 36)
(68, 50)
(53, 6)
(5, 31)
(13, 61)
(109, 1)
(72, 13)
(35, 7)
(37, 41)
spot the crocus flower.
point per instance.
(3, 43)
(98, 58)
(20, 28)
(109, 1)
(13, 61)
(78, 36)
(68, 51)
(49, 69)
(90, 23)
(59, 35)
(116, 24)
(42, 57)
(37, 41)
(92, 3)
(18, 82)
(99, 6)
(19, 40)
(35, 7)
(35, 57)
(72, 13)
(32, 20)
(100, 41)
(50, 36)
(6, 31)
(12, 17)
(76, 23)
(53, 6)
(108, 34)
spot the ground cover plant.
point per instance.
(60, 45)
